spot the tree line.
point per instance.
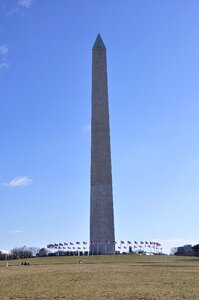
(23, 253)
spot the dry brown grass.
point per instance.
(110, 277)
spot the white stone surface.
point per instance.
(101, 211)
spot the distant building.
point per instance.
(195, 250)
(185, 250)
(3, 254)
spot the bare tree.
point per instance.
(22, 252)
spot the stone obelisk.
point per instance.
(102, 234)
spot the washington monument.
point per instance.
(102, 235)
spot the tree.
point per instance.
(43, 252)
(173, 250)
(22, 252)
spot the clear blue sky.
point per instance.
(45, 108)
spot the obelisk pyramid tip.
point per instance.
(99, 44)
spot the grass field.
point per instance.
(101, 277)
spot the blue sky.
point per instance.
(45, 108)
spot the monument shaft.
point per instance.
(102, 234)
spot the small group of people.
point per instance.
(25, 263)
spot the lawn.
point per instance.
(101, 277)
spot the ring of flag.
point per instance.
(120, 245)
